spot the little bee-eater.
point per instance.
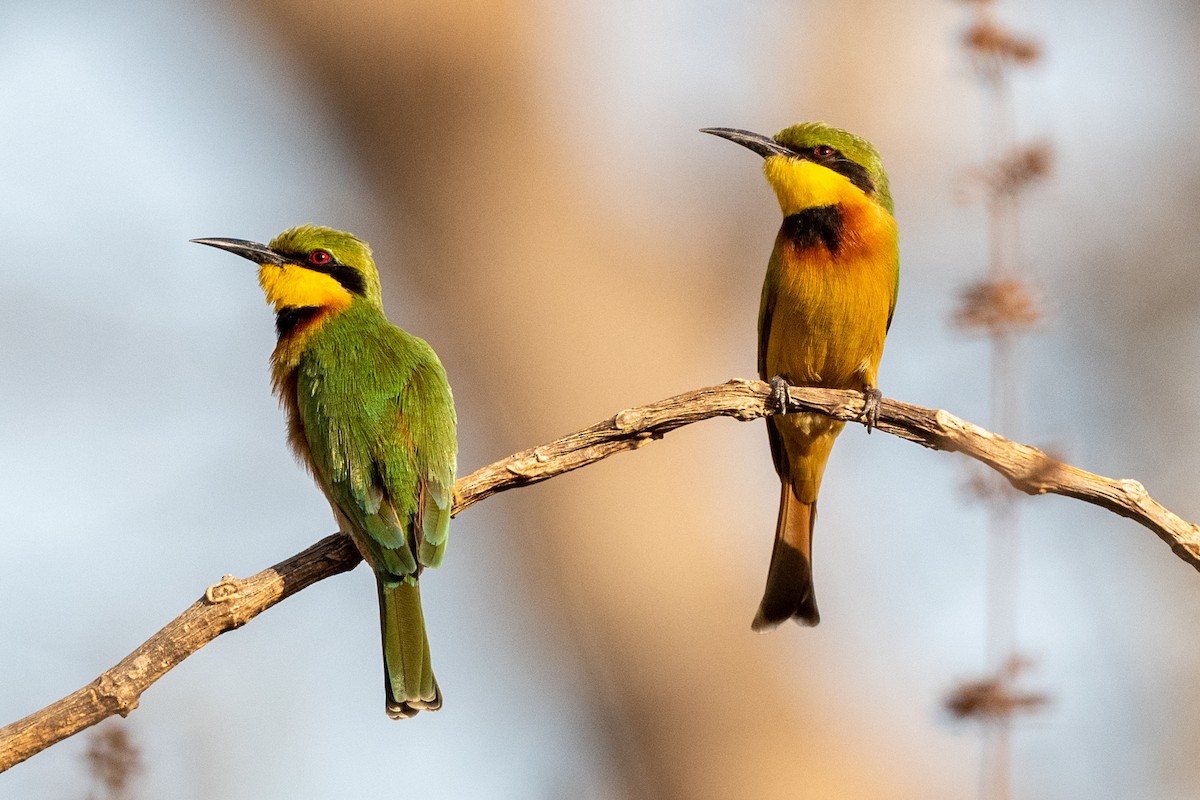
(370, 414)
(826, 307)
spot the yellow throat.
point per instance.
(291, 286)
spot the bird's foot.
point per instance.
(870, 413)
(779, 398)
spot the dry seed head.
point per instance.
(113, 761)
(997, 307)
(1018, 170)
(992, 43)
(997, 697)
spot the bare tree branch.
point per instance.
(233, 602)
(225, 606)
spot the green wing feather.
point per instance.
(895, 286)
(379, 419)
(766, 312)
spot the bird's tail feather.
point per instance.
(789, 591)
(408, 672)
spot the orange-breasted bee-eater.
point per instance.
(827, 303)
(370, 414)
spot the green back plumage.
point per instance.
(379, 419)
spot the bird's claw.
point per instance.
(870, 413)
(779, 398)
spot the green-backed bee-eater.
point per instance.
(370, 414)
(827, 303)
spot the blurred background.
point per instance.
(547, 216)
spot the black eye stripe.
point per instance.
(351, 279)
(856, 173)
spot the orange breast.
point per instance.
(830, 307)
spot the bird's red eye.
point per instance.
(319, 257)
(823, 151)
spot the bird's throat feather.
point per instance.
(293, 286)
(801, 185)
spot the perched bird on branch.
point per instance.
(370, 413)
(827, 304)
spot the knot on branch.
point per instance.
(529, 465)
(756, 405)
(229, 594)
(631, 419)
(230, 588)
(748, 412)
(1134, 491)
(633, 422)
(117, 694)
(949, 430)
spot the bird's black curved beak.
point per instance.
(258, 253)
(765, 146)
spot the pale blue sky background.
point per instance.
(143, 454)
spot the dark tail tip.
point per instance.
(789, 593)
(407, 709)
(401, 710)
